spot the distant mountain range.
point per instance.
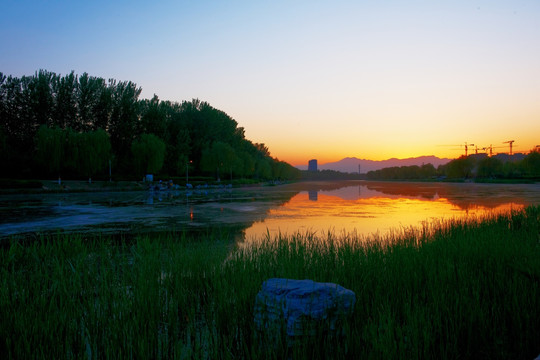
(350, 164)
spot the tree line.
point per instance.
(468, 167)
(413, 172)
(328, 175)
(81, 126)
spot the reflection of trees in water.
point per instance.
(425, 191)
(232, 221)
(232, 211)
(267, 201)
(465, 196)
(222, 213)
(323, 185)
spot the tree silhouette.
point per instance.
(531, 164)
(148, 153)
(51, 145)
(94, 152)
(82, 104)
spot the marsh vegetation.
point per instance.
(450, 289)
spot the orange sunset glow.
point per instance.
(360, 210)
(405, 137)
(313, 80)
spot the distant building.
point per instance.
(312, 165)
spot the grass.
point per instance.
(453, 289)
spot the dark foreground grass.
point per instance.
(453, 290)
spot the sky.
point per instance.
(310, 79)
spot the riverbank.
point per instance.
(454, 289)
(8, 186)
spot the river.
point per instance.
(317, 207)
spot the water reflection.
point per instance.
(364, 207)
(377, 207)
(136, 212)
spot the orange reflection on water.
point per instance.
(338, 211)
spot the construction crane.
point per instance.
(467, 148)
(460, 145)
(490, 147)
(509, 142)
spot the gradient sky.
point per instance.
(310, 79)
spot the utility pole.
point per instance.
(187, 171)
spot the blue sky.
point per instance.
(311, 79)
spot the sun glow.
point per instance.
(365, 211)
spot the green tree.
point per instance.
(178, 140)
(531, 164)
(490, 167)
(278, 170)
(460, 168)
(85, 103)
(148, 153)
(94, 152)
(92, 98)
(262, 150)
(427, 171)
(16, 113)
(153, 119)
(219, 157)
(51, 144)
(178, 151)
(263, 169)
(41, 97)
(248, 164)
(64, 112)
(289, 172)
(103, 108)
(124, 124)
(72, 147)
(512, 169)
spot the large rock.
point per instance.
(301, 308)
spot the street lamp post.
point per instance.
(187, 171)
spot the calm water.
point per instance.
(364, 207)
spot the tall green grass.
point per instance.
(453, 289)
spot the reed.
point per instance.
(451, 289)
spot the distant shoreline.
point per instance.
(72, 186)
(77, 186)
